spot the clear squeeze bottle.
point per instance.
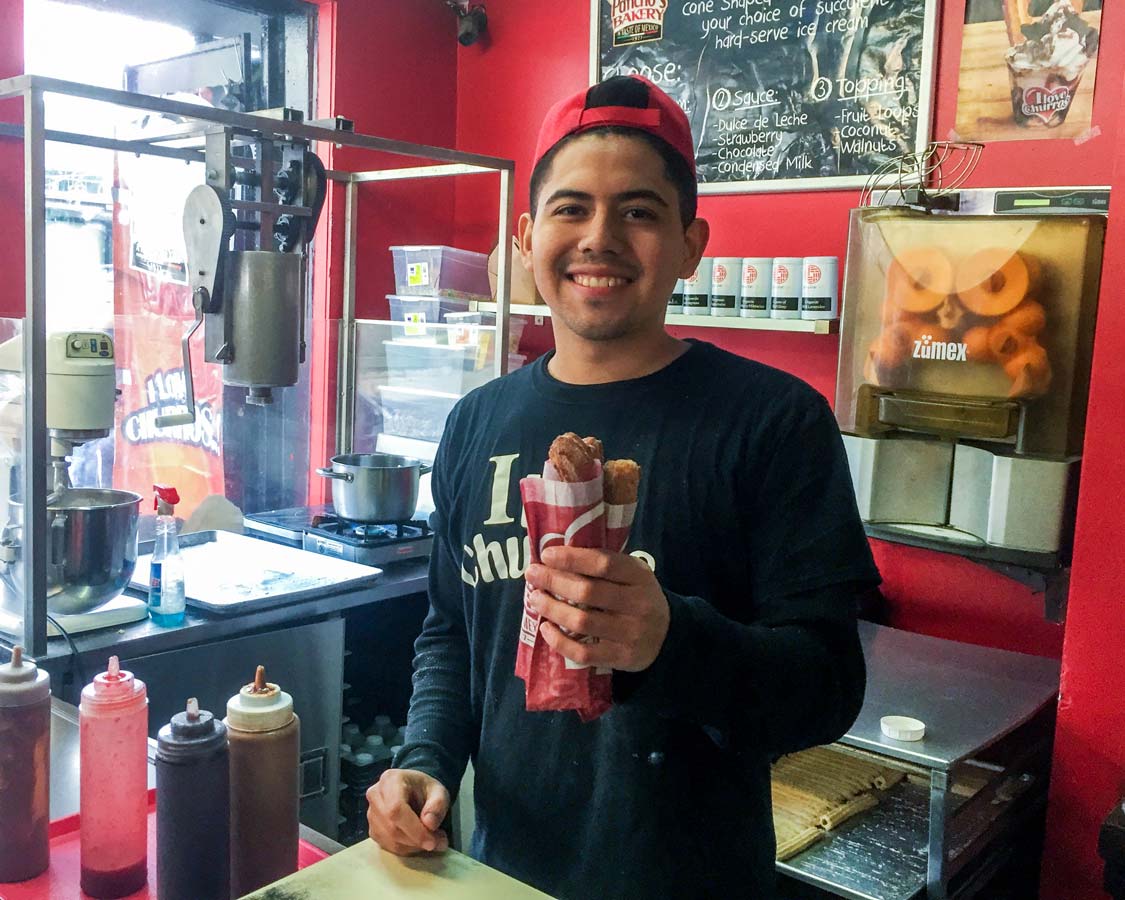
(192, 807)
(166, 575)
(113, 783)
(25, 757)
(265, 741)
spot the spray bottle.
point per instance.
(166, 575)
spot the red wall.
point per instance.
(391, 67)
(12, 299)
(539, 51)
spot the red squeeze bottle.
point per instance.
(113, 783)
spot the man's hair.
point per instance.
(676, 169)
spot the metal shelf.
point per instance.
(805, 326)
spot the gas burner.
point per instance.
(319, 529)
(369, 534)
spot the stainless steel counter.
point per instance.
(968, 696)
(922, 837)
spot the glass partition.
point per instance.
(409, 375)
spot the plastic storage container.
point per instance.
(418, 312)
(434, 367)
(438, 271)
(410, 414)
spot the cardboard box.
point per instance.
(523, 288)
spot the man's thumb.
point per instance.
(437, 805)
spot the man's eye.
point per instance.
(570, 210)
(639, 212)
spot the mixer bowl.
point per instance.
(91, 551)
(91, 548)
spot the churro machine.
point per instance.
(965, 355)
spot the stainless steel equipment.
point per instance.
(245, 231)
(91, 542)
(964, 367)
(319, 529)
(375, 487)
(988, 716)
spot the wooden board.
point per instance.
(984, 100)
(366, 870)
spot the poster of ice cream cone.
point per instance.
(1027, 69)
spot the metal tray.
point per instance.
(231, 573)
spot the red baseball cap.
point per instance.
(630, 101)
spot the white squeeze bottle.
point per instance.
(166, 576)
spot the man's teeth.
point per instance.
(598, 281)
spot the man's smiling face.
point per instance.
(606, 244)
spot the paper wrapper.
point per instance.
(575, 515)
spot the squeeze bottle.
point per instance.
(113, 783)
(265, 741)
(25, 759)
(192, 807)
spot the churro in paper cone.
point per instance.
(574, 514)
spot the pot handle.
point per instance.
(424, 469)
(330, 473)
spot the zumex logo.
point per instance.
(928, 348)
(637, 21)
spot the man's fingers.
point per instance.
(603, 653)
(394, 823)
(593, 622)
(436, 806)
(589, 591)
(604, 564)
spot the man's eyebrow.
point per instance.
(624, 197)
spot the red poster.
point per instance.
(153, 310)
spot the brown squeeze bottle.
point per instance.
(265, 744)
(25, 758)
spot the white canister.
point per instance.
(676, 301)
(754, 295)
(785, 288)
(819, 288)
(724, 285)
(697, 289)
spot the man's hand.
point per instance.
(405, 810)
(628, 610)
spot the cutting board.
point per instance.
(984, 100)
(366, 870)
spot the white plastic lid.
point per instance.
(259, 706)
(22, 682)
(902, 728)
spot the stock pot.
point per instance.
(375, 487)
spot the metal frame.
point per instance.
(32, 89)
(345, 372)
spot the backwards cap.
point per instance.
(626, 100)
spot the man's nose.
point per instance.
(601, 234)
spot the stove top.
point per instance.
(319, 529)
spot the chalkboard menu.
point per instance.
(781, 94)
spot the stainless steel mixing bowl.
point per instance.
(91, 550)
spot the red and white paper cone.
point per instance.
(571, 514)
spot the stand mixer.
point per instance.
(92, 532)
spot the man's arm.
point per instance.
(440, 730)
(781, 684)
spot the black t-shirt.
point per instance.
(747, 516)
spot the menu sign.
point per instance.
(781, 94)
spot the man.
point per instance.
(729, 622)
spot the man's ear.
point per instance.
(525, 225)
(696, 236)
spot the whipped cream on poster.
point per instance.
(1058, 40)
